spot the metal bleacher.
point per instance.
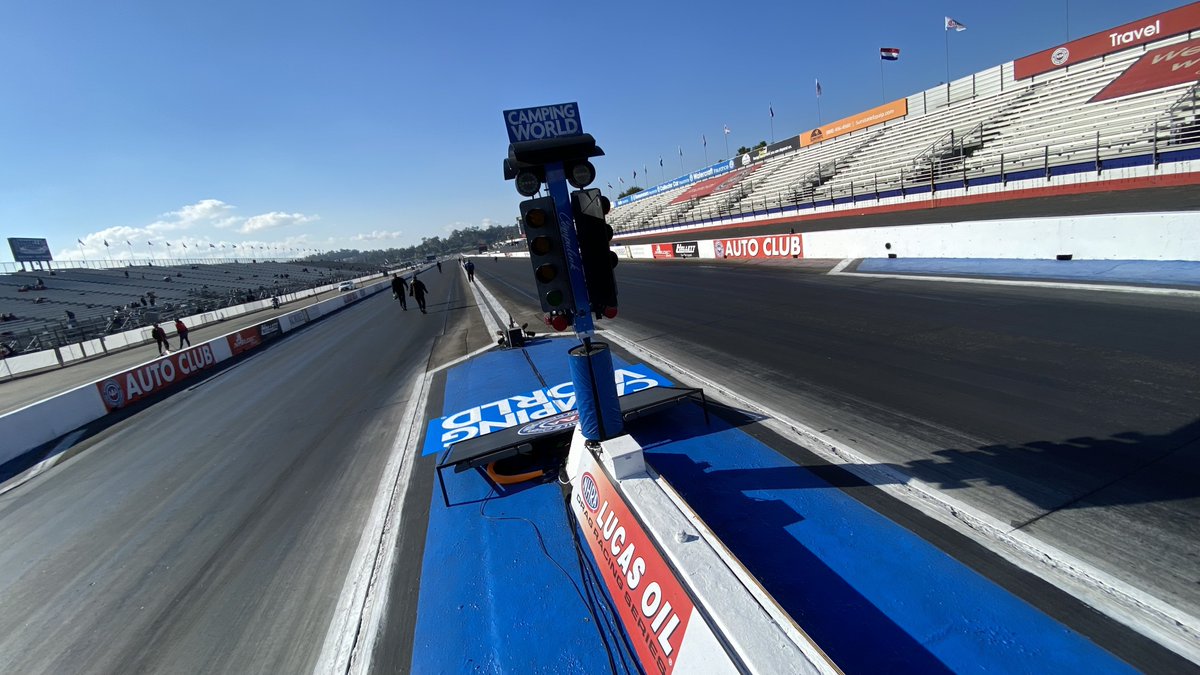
(960, 134)
(108, 300)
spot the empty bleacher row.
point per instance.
(105, 301)
(1032, 125)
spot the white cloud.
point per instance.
(210, 212)
(377, 235)
(274, 219)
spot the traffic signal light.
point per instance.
(589, 208)
(539, 220)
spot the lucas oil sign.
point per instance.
(542, 122)
(651, 602)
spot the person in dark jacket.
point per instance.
(182, 329)
(399, 290)
(418, 290)
(160, 338)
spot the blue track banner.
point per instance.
(707, 172)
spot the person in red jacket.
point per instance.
(182, 329)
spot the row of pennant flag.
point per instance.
(150, 243)
(885, 53)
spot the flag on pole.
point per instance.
(211, 246)
(620, 180)
(185, 245)
(80, 241)
(127, 243)
(957, 27)
(681, 151)
(660, 161)
(726, 129)
(635, 174)
(771, 109)
(610, 186)
(149, 243)
(704, 140)
(105, 243)
(889, 53)
(818, 88)
(168, 244)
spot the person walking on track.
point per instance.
(160, 338)
(418, 290)
(399, 290)
(470, 267)
(439, 266)
(182, 329)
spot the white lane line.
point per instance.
(350, 639)
(488, 320)
(52, 460)
(837, 269)
(1143, 612)
(1148, 290)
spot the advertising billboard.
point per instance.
(1164, 25)
(771, 246)
(1158, 68)
(867, 118)
(29, 250)
(663, 251)
(687, 249)
(767, 152)
(703, 174)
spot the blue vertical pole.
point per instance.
(591, 366)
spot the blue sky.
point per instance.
(374, 124)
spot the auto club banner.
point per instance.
(771, 246)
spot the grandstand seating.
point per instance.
(109, 300)
(1037, 123)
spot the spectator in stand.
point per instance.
(418, 290)
(160, 339)
(182, 329)
(71, 319)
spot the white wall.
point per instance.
(1133, 236)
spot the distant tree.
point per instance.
(743, 150)
(631, 191)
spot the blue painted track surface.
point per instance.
(503, 589)
(1138, 272)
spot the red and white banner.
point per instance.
(771, 246)
(124, 388)
(244, 340)
(663, 250)
(650, 600)
(1156, 69)
(1174, 22)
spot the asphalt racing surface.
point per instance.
(212, 531)
(1074, 416)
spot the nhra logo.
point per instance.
(746, 159)
(550, 424)
(1060, 56)
(591, 495)
(113, 395)
(719, 248)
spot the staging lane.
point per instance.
(211, 532)
(1071, 415)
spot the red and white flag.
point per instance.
(889, 53)
(953, 25)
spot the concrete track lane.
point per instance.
(212, 532)
(1072, 415)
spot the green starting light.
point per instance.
(554, 298)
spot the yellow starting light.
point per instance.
(540, 245)
(546, 273)
(535, 218)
